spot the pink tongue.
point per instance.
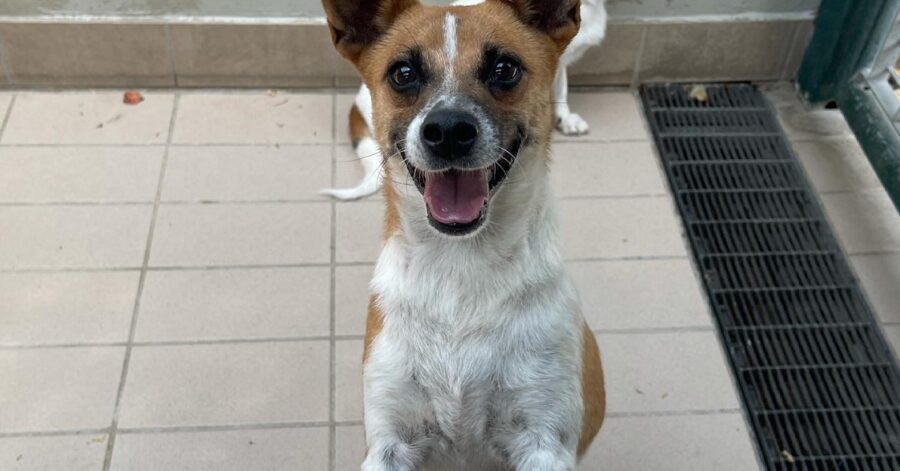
(456, 197)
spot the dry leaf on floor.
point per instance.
(698, 93)
(132, 97)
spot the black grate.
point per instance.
(817, 378)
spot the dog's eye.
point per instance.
(403, 76)
(506, 71)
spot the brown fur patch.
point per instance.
(374, 324)
(358, 128)
(593, 393)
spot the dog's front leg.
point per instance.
(396, 419)
(535, 451)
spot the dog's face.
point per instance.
(457, 93)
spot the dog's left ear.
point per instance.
(358, 24)
(559, 19)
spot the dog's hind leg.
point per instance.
(567, 122)
(367, 151)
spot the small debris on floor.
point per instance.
(19, 458)
(698, 93)
(787, 456)
(639, 391)
(271, 92)
(133, 97)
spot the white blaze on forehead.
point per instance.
(450, 42)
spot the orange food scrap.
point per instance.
(132, 97)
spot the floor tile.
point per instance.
(359, 231)
(801, 122)
(224, 118)
(71, 453)
(836, 165)
(59, 308)
(864, 221)
(349, 447)
(613, 116)
(59, 388)
(258, 173)
(79, 174)
(226, 384)
(73, 236)
(606, 169)
(270, 450)
(618, 294)
(348, 380)
(880, 276)
(88, 118)
(5, 99)
(658, 372)
(351, 299)
(615, 228)
(253, 234)
(709, 442)
(235, 304)
(892, 332)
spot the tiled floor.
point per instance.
(174, 294)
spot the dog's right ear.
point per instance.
(357, 24)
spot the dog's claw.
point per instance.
(572, 125)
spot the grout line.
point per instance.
(656, 330)
(181, 343)
(639, 58)
(680, 413)
(326, 265)
(107, 461)
(73, 203)
(278, 145)
(170, 52)
(332, 382)
(7, 115)
(4, 63)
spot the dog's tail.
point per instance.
(367, 152)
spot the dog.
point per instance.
(476, 354)
(591, 33)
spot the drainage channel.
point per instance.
(818, 381)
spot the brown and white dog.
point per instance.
(476, 355)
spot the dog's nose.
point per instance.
(450, 134)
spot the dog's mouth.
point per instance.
(457, 199)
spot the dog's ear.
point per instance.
(357, 24)
(559, 19)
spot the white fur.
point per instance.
(478, 364)
(591, 33)
(450, 42)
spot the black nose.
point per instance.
(450, 134)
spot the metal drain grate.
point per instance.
(817, 378)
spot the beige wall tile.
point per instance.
(79, 174)
(258, 55)
(47, 308)
(59, 388)
(237, 234)
(222, 118)
(70, 54)
(615, 294)
(612, 63)
(226, 384)
(716, 51)
(606, 169)
(73, 236)
(88, 118)
(235, 304)
(239, 450)
(665, 372)
(72, 453)
(348, 377)
(802, 38)
(680, 443)
(257, 173)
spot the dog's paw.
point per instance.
(545, 460)
(572, 125)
